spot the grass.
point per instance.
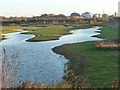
(83, 26)
(15, 28)
(29, 28)
(8, 29)
(109, 31)
(53, 32)
(50, 32)
(2, 37)
(99, 65)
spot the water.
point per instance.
(38, 62)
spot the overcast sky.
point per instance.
(38, 7)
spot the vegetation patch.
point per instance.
(53, 32)
(109, 30)
(100, 66)
(8, 29)
(82, 26)
(107, 44)
(48, 33)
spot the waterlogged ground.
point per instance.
(38, 62)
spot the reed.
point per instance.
(9, 69)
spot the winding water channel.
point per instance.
(38, 62)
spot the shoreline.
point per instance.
(53, 34)
(80, 61)
(43, 36)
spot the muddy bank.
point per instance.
(76, 63)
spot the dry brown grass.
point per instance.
(9, 69)
(104, 44)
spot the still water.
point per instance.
(37, 61)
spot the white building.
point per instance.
(119, 9)
(97, 15)
(87, 15)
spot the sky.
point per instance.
(38, 7)
(119, 9)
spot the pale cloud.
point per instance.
(119, 9)
(37, 7)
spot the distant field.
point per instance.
(15, 28)
(8, 29)
(50, 32)
(53, 32)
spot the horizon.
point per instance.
(29, 8)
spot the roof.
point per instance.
(75, 14)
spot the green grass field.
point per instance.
(109, 31)
(100, 66)
(52, 32)
(48, 33)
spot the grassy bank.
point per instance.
(48, 33)
(2, 37)
(100, 66)
(52, 32)
(109, 30)
(15, 28)
(8, 29)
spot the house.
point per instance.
(97, 15)
(105, 17)
(75, 16)
(87, 15)
(119, 9)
